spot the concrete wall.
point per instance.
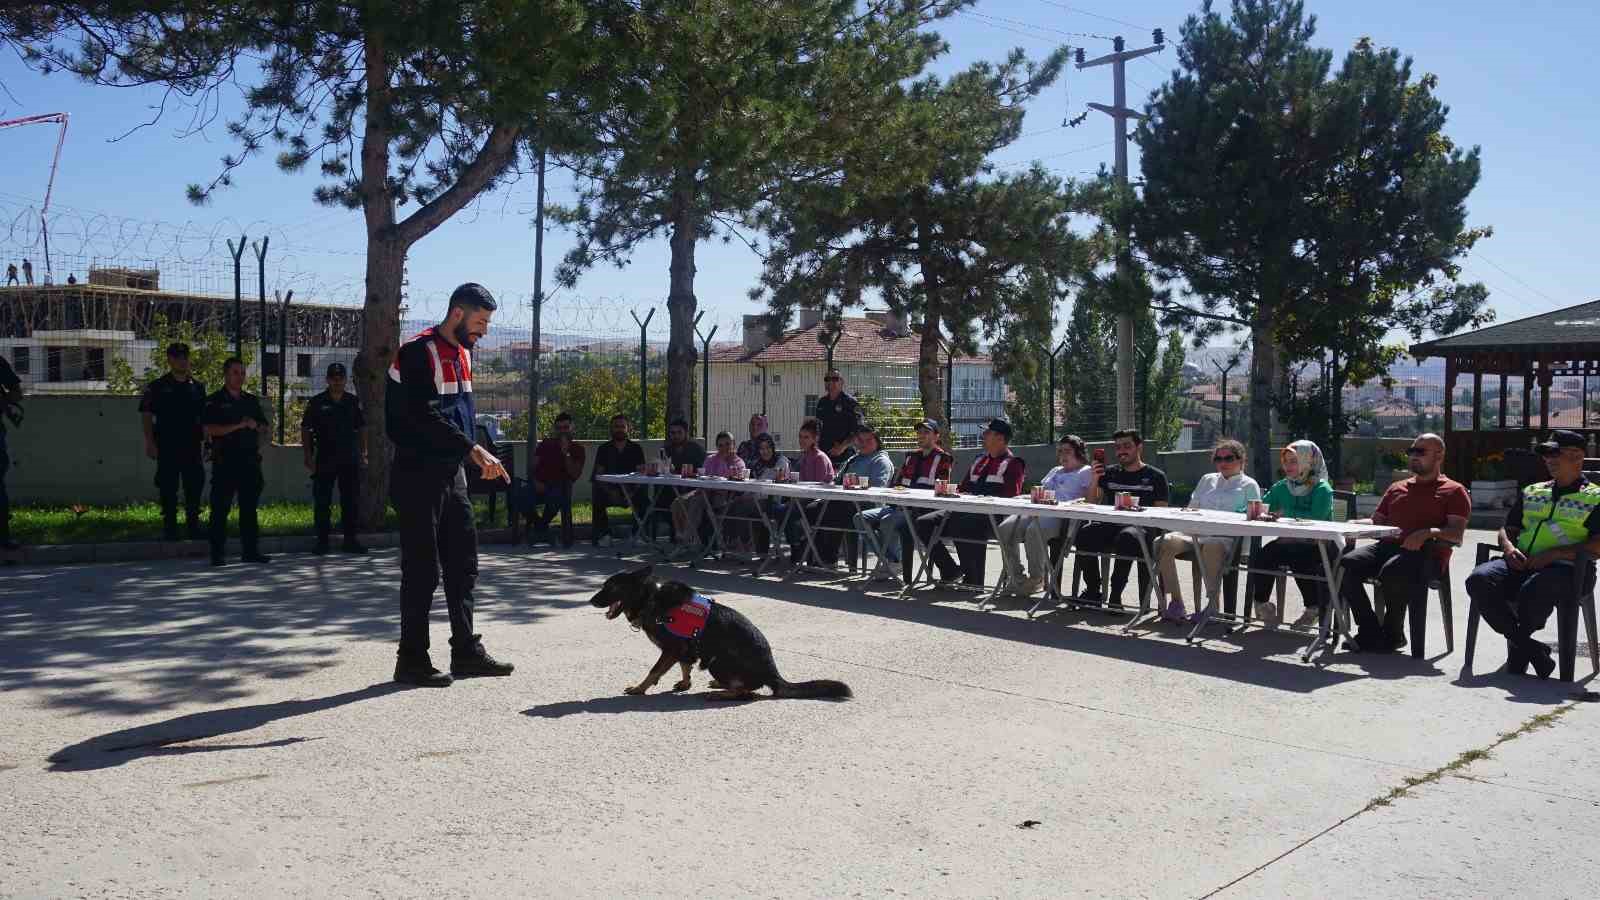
(89, 449)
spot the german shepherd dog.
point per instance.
(724, 642)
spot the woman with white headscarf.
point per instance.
(1302, 493)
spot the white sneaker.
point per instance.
(1310, 617)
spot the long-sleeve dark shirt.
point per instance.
(839, 419)
(424, 424)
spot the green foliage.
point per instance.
(593, 395)
(1022, 358)
(726, 100)
(1087, 375)
(208, 350)
(897, 426)
(1298, 205)
(1159, 382)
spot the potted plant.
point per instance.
(1490, 487)
(1391, 468)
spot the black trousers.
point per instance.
(1402, 573)
(1104, 537)
(834, 516)
(970, 531)
(606, 495)
(437, 534)
(1517, 604)
(1300, 557)
(557, 500)
(229, 480)
(348, 478)
(174, 469)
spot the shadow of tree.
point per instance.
(135, 638)
(624, 703)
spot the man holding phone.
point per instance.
(1131, 476)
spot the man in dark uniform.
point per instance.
(336, 449)
(840, 416)
(10, 413)
(234, 420)
(171, 408)
(429, 415)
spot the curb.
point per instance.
(144, 551)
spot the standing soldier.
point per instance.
(428, 414)
(171, 408)
(234, 420)
(336, 449)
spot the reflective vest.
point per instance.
(1548, 522)
(688, 619)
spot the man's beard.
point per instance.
(464, 337)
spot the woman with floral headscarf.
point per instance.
(1302, 493)
(750, 451)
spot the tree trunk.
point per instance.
(930, 370)
(1263, 375)
(380, 325)
(681, 309)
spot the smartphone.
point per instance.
(1099, 455)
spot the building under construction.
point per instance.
(62, 337)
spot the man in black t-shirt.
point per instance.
(10, 404)
(841, 417)
(1129, 475)
(170, 408)
(235, 420)
(619, 456)
(336, 448)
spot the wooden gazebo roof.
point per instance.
(1574, 330)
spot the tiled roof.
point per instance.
(863, 341)
(1571, 328)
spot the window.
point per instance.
(810, 408)
(20, 359)
(776, 380)
(94, 364)
(274, 365)
(302, 365)
(52, 363)
(755, 377)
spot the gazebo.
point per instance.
(1534, 352)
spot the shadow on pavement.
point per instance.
(1252, 665)
(624, 703)
(166, 738)
(138, 638)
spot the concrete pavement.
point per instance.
(171, 730)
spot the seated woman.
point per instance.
(1227, 489)
(1069, 480)
(1302, 493)
(690, 509)
(769, 465)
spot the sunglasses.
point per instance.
(826, 380)
(1416, 451)
(1229, 458)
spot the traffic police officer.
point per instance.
(171, 408)
(335, 448)
(234, 420)
(429, 416)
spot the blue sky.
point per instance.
(1514, 75)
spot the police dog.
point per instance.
(689, 628)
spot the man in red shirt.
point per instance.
(1425, 507)
(557, 465)
(997, 473)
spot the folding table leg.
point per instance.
(1330, 621)
(1000, 583)
(1052, 591)
(641, 520)
(1150, 580)
(875, 548)
(773, 554)
(924, 551)
(716, 528)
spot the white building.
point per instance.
(877, 355)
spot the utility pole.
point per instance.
(1120, 114)
(536, 333)
(1225, 370)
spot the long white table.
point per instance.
(1329, 536)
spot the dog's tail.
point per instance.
(819, 689)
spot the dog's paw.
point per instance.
(681, 686)
(716, 685)
(635, 690)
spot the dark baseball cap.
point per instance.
(1001, 427)
(178, 348)
(336, 369)
(1562, 439)
(928, 425)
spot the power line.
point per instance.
(1554, 303)
(1045, 28)
(1092, 15)
(1028, 162)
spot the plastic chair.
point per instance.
(1566, 620)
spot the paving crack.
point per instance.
(1411, 783)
